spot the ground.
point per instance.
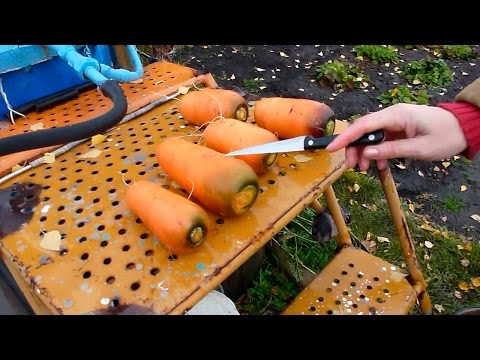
(290, 70)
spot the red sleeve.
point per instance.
(468, 116)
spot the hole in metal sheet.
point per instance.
(321, 298)
(312, 308)
(149, 253)
(99, 213)
(138, 220)
(329, 290)
(101, 228)
(154, 271)
(336, 281)
(82, 239)
(329, 312)
(271, 182)
(60, 208)
(135, 286)
(126, 247)
(84, 256)
(115, 203)
(115, 302)
(63, 252)
(283, 173)
(96, 200)
(344, 273)
(220, 221)
(172, 257)
(79, 211)
(81, 224)
(380, 300)
(360, 275)
(369, 287)
(122, 231)
(43, 218)
(130, 266)
(107, 261)
(337, 302)
(362, 296)
(376, 279)
(87, 274)
(144, 236)
(353, 284)
(118, 216)
(372, 310)
(354, 306)
(386, 291)
(110, 280)
(104, 243)
(351, 265)
(346, 293)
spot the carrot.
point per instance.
(178, 223)
(225, 185)
(230, 134)
(205, 105)
(289, 117)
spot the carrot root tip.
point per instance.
(330, 127)
(244, 199)
(270, 159)
(196, 236)
(242, 112)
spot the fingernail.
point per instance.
(371, 152)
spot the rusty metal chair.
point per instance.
(357, 282)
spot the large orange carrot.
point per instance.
(289, 117)
(225, 185)
(230, 134)
(205, 105)
(178, 223)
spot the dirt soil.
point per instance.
(293, 75)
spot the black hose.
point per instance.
(69, 133)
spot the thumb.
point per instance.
(405, 148)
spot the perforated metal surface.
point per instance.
(355, 282)
(109, 260)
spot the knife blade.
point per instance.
(302, 143)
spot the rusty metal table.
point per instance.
(109, 262)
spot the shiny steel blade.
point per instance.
(295, 144)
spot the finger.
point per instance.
(364, 163)
(351, 156)
(382, 164)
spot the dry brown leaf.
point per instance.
(397, 276)
(51, 240)
(436, 168)
(356, 187)
(302, 158)
(475, 217)
(411, 207)
(468, 247)
(460, 247)
(91, 154)
(465, 262)
(457, 294)
(350, 188)
(368, 236)
(464, 286)
(16, 167)
(37, 126)
(97, 139)
(370, 245)
(49, 158)
(428, 244)
(446, 164)
(463, 188)
(475, 281)
(183, 90)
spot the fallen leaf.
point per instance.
(259, 69)
(370, 245)
(356, 187)
(428, 244)
(382, 239)
(401, 166)
(16, 167)
(397, 276)
(97, 139)
(426, 257)
(463, 188)
(475, 217)
(37, 126)
(445, 234)
(416, 82)
(350, 188)
(420, 173)
(49, 158)
(282, 54)
(469, 247)
(446, 164)
(443, 218)
(411, 207)
(465, 262)
(457, 294)
(464, 73)
(464, 286)
(262, 87)
(51, 240)
(232, 77)
(476, 281)
(302, 158)
(436, 168)
(460, 247)
(183, 90)
(368, 236)
(91, 154)
(427, 227)
(439, 308)
(456, 157)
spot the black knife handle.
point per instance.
(320, 143)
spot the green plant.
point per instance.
(402, 94)
(463, 52)
(341, 74)
(354, 117)
(253, 85)
(428, 72)
(453, 203)
(377, 53)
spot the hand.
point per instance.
(418, 132)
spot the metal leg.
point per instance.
(406, 241)
(343, 237)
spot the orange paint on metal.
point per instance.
(109, 260)
(355, 282)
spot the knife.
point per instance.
(308, 142)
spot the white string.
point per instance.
(10, 109)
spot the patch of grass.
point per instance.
(428, 72)
(354, 117)
(341, 74)
(463, 52)
(402, 94)
(272, 290)
(253, 85)
(453, 203)
(377, 53)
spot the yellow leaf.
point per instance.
(183, 90)
(401, 166)
(411, 207)
(416, 82)
(463, 188)
(259, 69)
(428, 244)
(464, 286)
(475, 217)
(302, 158)
(465, 262)
(16, 167)
(356, 187)
(456, 157)
(91, 154)
(394, 91)
(397, 276)
(49, 158)
(445, 234)
(37, 126)
(436, 168)
(368, 236)
(382, 239)
(51, 240)
(476, 281)
(460, 247)
(427, 227)
(439, 308)
(282, 54)
(469, 247)
(446, 164)
(457, 294)
(97, 139)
